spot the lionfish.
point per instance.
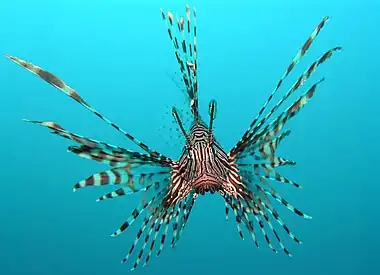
(241, 176)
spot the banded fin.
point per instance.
(164, 235)
(62, 86)
(190, 201)
(278, 123)
(129, 189)
(91, 145)
(241, 215)
(156, 223)
(144, 225)
(176, 224)
(277, 217)
(301, 80)
(238, 218)
(269, 223)
(153, 242)
(137, 211)
(185, 52)
(294, 62)
(268, 171)
(252, 129)
(281, 200)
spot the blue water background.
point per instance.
(117, 55)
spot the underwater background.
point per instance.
(117, 55)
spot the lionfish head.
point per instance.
(204, 166)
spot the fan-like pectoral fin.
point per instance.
(247, 137)
(62, 86)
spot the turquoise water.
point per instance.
(118, 56)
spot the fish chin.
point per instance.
(206, 183)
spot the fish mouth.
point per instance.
(206, 183)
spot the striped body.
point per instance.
(203, 167)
